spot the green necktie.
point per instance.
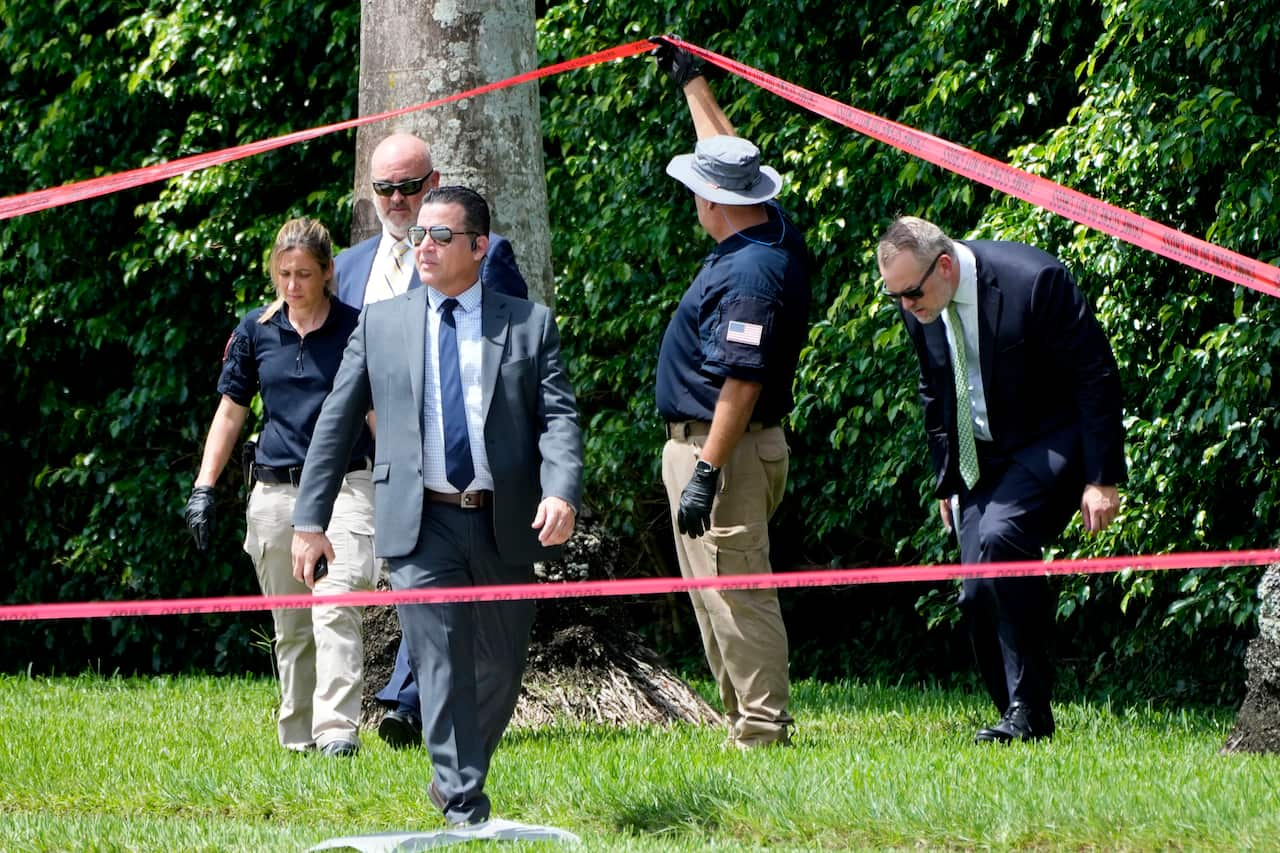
(964, 413)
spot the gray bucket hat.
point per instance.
(726, 170)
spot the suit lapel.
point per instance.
(495, 321)
(413, 322)
(366, 271)
(935, 340)
(990, 302)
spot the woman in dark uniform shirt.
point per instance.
(289, 352)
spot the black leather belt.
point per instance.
(475, 499)
(681, 430)
(291, 475)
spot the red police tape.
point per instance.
(638, 586)
(1077, 206)
(1041, 192)
(1074, 205)
(31, 202)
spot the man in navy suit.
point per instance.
(379, 268)
(382, 266)
(1022, 407)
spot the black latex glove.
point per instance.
(693, 516)
(678, 64)
(200, 515)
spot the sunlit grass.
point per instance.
(95, 763)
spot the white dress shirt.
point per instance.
(966, 302)
(467, 320)
(384, 280)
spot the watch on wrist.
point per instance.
(705, 467)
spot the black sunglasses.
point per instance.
(386, 189)
(441, 235)
(912, 293)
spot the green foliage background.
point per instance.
(114, 310)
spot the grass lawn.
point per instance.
(165, 764)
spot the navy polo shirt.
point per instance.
(745, 317)
(293, 374)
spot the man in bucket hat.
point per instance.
(725, 372)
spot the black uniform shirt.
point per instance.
(746, 317)
(293, 374)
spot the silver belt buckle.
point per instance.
(471, 500)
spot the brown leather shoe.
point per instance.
(436, 797)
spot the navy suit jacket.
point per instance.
(1048, 373)
(498, 271)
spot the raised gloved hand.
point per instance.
(677, 63)
(693, 515)
(200, 515)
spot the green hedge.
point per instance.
(1114, 100)
(115, 310)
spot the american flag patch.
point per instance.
(744, 333)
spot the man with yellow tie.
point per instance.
(382, 266)
(1022, 408)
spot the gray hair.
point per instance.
(911, 234)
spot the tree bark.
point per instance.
(413, 51)
(1257, 726)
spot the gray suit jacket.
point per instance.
(531, 431)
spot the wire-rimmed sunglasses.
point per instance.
(441, 235)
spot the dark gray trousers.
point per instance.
(467, 659)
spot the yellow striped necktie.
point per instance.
(398, 250)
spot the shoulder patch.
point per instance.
(744, 333)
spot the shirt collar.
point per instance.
(385, 244)
(468, 300)
(281, 317)
(967, 291)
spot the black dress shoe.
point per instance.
(1018, 723)
(340, 749)
(400, 730)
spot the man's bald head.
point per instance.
(400, 158)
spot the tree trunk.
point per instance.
(583, 664)
(1257, 726)
(412, 51)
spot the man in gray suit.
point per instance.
(477, 475)
(401, 173)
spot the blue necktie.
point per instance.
(457, 446)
